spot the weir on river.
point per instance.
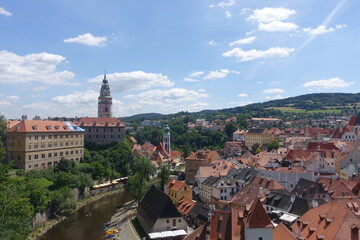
(86, 223)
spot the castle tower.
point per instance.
(166, 139)
(105, 100)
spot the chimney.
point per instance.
(261, 190)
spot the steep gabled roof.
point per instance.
(281, 232)
(200, 211)
(156, 204)
(258, 217)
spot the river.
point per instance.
(86, 223)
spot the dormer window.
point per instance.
(66, 127)
(48, 127)
(57, 127)
(35, 127)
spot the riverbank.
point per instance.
(39, 232)
(122, 220)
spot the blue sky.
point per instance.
(169, 56)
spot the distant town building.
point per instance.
(36, 144)
(103, 130)
(166, 139)
(261, 136)
(197, 159)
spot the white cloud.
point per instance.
(35, 67)
(266, 15)
(241, 103)
(191, 80)
(328, 83)
(255, 54)
(167, 101)
(212, 43)
(137, 80)
(88, 39)
(223, 4)
(39, 88)
(277, 26)
(5, 103)
(243, 11)
(13, 98)
(217, 74)
(196, 74)
(77, 98)
(322, 29)
(273, 90)
(248, 40)
(202, 90)
(243, 95)
(276, 97)
(4, 12)
(228, 14)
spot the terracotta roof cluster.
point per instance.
(281, 232)
(340, 188)
(100, 122)
(202, 155)
(44, 126)
(217, 168)
(257, 216)
(269, 184)
(313, 146)
(331, 220)
(197, 234)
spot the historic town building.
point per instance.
(36, 144)
(105, 100)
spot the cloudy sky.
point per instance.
(169, 56)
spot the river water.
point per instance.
(86, 223)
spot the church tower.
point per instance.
(166, 139)
(105, 100)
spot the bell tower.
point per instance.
(166, 139)
(105, 100)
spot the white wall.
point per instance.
(258, 233)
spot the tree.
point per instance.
(163, 175)
(254, 148)
(62, 201)
(230, 128)
(65, 165)
(142, 171)
(272, 145)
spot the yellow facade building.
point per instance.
(176, 190)
(36, 144)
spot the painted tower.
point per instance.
(105, 100)
(166, 139)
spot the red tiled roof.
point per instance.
(175, 185)
(197, 234)
(185, 205)
(175, 153)
(267, 183)
(258, 218)
(281, 232)
(220, 225)
(330, 219)
(202, 155)
(41, 126)
(99, 122)
(321, 146)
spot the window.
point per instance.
(55, 144)
(36, 137)
(42, 136)
(61, 154)
(55, 154)
(49, 164)
(36, 156)
(61, 136)
(55, 136)
(67, 153)
(61, 144)
(29, 146)
(72, 152)
(42, 155)
(49, 155)
(18, 157)
(36, 165)
(167, 221)
(43, 145)
(29, 157)
(50, 137)
(29, 166)
(49, 145)
(30, 139)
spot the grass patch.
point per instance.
(45, 182)
(298, 110)
(138, 228)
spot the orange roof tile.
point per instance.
(281, 232)
(185, 205)
(41, 126)
(175, 185)
(330, 219)
(99, 122)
